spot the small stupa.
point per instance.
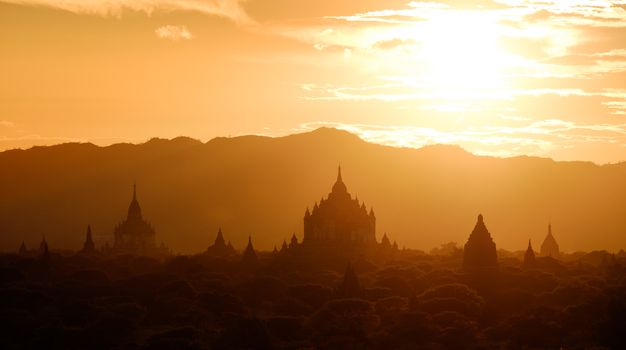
(529, 257)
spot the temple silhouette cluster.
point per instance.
(338, 223)
(336, 286)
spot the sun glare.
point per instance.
(459, 52)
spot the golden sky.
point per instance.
(504, 77)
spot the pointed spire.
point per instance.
(134, 210)
(249, 255)
(307, 213)
(294, 241)
(550, 227)
(284, 246)
(550, 247)
(529, 257)
(89, 246)
(219, 240)
(384, 242)
(23, 249)
(43, 248)
(339, 187)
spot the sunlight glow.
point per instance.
(459, 51)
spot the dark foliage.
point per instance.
(405, 301)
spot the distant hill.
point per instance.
(262, 186)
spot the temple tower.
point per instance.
(549, 247)
(480, 249)
(89, 246)
(529, 257)
(249, 255)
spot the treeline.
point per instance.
(406, 300)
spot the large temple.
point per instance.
(339, 220)
(135, 235)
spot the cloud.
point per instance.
(173, 32)
(230, 9)
(6, 124)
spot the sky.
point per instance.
(502, 78)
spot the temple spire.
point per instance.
(249, 255)
(339, 187)
(480, 249)
(134, 210)
(550, 227)
(219, 240)
(550, 247)
(529, 257)
(89, 246)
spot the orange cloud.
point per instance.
(224, 8)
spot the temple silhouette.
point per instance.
(249, 254)
(135, 235)
(549, 247)
(89, 246)
(339, 220)
(530, 260)
(480, 249)
(220, 248)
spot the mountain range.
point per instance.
(261, 186)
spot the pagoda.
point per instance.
(339, 220)
(529, 257)
(480, 249)
(549, 247)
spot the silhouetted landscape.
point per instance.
(308, 296)
(313, 175)
(262, 186)
(336, 285)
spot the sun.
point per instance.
(459, 51)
